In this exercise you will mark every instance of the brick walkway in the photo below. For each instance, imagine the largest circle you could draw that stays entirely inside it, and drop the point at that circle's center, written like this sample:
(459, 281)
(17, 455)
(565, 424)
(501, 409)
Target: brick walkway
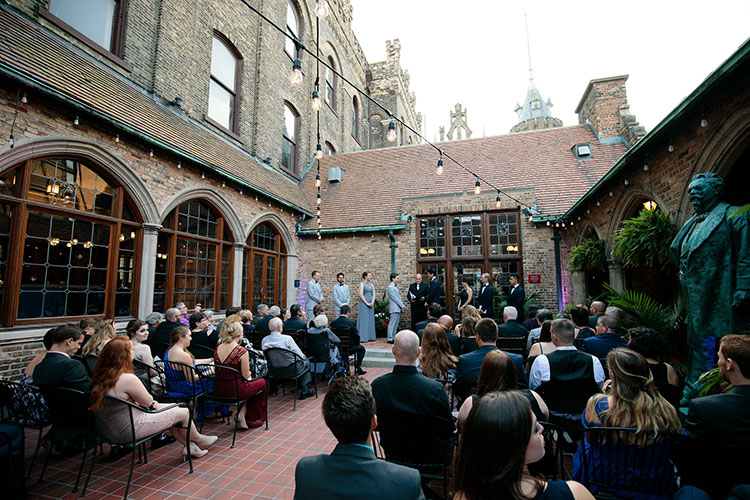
(261, 466)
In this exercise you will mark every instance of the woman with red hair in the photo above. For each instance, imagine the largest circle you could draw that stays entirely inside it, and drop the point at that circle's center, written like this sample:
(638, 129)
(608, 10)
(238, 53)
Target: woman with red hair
(114, 376)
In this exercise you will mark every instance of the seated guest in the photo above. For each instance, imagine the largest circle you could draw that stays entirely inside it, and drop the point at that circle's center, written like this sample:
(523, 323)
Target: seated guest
(321, 328)
(137, 331)
(87, 326)
(633, 401)
(262, 324)
(349, 411)
(511, 327)
(114, 377)
(202, 337)
(232, 311)
(542, 315)
(649, 344)
(153, 320)
(285, 314)
(531, 323)
(318, 309)
(262, 311)
(104, 331)
(159, 340)
(210, 317)
(544, 346)
(446, 323)
(567, 377)
(580, 318)
(718, 426)
(229, 353)
(499, 374)
(406, 391)
(606, 337)
(596, 309)
(436, 359)
(467, 334)
(28, 373)
(184, 382)
(184, 317)
(296, 322)
(469, 364)
(277, 339)
(57, 368)
(501, 437)
(245, 316)
(616, 312)
(433, 313)
(344, 321)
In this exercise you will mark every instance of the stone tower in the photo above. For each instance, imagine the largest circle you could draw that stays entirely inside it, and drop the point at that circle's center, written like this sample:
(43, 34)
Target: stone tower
(459, 125)
(535, 113)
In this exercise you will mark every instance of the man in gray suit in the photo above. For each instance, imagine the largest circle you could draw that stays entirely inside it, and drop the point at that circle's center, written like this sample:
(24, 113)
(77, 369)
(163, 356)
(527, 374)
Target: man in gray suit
(314, 294)
(395, 306)
(341, 295)
(352, 470)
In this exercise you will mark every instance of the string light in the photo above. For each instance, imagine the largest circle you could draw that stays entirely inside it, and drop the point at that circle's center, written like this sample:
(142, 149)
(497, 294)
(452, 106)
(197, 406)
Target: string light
(497, 201)
(317, 180)
(296, 76)
(318, 151)
(645, 167)
(12, 141)
(626, 182)
(179, 164)
(241, 192)
(439, 169)
(151, 153)
(223, 184)
(315, 100)
(548, 223)
(319, 199)
(117, 138)
(477, 187)
(321, 8)
(671, 148)
(24, 99)
(391, 136)
(76, 121)
(203, 175)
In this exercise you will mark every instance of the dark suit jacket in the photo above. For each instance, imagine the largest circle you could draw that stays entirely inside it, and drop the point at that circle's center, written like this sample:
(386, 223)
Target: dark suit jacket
(592, 320)
(161, 336)
(516, 299)
(417, 292)
(455, 342)
(262, 325)
(485, 300)
(512, 328)
(353, 472)
(433, 292)
(467, 372)
(422, 324)
(719, 430)
(59, 370)
(344, 322)
(600, 345)
(294, 325)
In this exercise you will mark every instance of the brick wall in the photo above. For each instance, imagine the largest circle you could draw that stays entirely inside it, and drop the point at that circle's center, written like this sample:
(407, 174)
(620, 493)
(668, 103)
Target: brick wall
(600, 105)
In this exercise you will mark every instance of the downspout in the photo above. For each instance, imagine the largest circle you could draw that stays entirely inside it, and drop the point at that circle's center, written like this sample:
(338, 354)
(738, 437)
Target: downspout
(558, 275)
(393, 251)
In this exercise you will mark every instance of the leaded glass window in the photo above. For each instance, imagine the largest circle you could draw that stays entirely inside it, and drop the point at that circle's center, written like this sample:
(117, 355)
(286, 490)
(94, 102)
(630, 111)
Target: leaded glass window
(503, 234)
(432, 237)
(466, 232)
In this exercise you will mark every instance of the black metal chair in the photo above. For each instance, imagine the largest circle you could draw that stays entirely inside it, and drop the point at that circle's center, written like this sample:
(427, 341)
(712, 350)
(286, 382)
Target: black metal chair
(319, 354)
(144, 372)
(201, 351)
(227, 380)
(11, 462)
(347, 355)
(516, 345)
(618, 459)
(26, 409)
(283, 365)
(134, 441)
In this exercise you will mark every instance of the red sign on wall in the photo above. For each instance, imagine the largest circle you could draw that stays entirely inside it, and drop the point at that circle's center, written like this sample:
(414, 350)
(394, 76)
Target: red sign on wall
(535, 278)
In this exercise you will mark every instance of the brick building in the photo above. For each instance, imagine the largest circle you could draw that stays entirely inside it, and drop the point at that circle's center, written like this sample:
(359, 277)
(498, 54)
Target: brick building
(151, 152)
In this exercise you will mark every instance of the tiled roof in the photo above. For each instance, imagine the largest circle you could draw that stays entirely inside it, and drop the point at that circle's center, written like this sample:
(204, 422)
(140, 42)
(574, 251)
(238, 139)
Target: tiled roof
(40, 57)
(376, 181)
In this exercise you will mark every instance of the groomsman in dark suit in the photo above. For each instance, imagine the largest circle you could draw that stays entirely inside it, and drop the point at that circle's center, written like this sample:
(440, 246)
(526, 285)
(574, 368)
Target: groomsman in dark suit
(416, 296)
(433, 290)
(57, 368)
(486, 297)
(517, 295)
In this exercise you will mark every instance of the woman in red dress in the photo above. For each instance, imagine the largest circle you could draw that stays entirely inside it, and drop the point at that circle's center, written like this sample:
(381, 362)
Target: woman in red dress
(229, 353)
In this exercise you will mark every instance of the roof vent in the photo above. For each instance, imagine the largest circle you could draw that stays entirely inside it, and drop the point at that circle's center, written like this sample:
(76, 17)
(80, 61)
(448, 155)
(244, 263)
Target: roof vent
(335, 174)
(582, 151)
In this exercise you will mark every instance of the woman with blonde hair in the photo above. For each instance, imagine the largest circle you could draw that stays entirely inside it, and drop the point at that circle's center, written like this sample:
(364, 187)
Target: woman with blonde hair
(231, 354)
(114, 377)
(436, 359)
(104, 331)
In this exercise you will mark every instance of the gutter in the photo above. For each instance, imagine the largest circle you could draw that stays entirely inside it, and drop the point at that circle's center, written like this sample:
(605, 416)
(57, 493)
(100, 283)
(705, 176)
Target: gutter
(344, 230)
(45, 89)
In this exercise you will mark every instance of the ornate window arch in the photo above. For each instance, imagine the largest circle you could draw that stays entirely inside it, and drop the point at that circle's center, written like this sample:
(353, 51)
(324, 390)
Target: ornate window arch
(74, 234)
(264, 267)
(194, 258)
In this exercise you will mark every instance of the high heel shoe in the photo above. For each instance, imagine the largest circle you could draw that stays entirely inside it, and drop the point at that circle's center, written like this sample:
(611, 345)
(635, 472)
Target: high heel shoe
(207, 441)
(195, 452)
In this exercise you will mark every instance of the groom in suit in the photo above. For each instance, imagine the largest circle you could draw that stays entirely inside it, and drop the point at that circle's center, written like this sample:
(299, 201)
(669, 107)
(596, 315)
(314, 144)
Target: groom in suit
(517, 295)
(486, 297)
(394, 307)
(314, 295)
(352, 470)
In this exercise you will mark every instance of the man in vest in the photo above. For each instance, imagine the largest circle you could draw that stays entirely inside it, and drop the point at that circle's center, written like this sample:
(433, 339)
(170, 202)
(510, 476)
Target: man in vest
(567, 377)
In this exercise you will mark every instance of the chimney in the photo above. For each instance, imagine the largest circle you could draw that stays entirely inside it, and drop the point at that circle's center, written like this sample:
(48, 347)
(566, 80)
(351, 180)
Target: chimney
(601, 104)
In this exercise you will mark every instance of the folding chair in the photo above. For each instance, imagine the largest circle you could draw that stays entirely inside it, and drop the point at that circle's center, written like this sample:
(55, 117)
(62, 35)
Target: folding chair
(283, 365)
(26, 409)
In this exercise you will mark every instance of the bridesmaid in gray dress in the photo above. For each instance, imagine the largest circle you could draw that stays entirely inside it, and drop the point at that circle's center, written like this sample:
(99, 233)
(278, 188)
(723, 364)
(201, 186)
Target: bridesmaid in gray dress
(366, 310)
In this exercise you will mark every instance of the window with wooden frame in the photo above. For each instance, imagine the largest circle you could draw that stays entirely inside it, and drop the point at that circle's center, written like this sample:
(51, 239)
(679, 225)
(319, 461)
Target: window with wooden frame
(70, 243)
(332, 82)
(226, 75)
(293, 28)
(289, 134)
(328, 149)
(264, 268)
(194, 258)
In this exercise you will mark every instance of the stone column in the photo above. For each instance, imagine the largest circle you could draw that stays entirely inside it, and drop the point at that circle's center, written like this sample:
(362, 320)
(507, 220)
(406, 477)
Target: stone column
(616, 275)
(291, 275)
(237, 274)
(148, 269)
(578, 287)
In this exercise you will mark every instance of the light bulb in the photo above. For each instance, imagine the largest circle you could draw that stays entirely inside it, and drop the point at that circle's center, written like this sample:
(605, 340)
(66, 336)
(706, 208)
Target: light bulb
(497, 202)
(598, 204)
(557, 224)
(439, 169)
(76, 121)
(317, 180)
(12, 141)
(316, 100)
(645, 167)
(579, 218)
(531, 218)
(203, 175)
(704, 122)
(548, 223)
(671, 148)
(223, 184)
(391, 136)
(24, 99)
(179, 164)
(626, 182)
(117, 138)
(571, 223)
(611, 193)
(241, 192)
(477, 187)
(151, 153)
(319, 237)
(318, 151)
(319, 199)
(321, 8)
(296, 76)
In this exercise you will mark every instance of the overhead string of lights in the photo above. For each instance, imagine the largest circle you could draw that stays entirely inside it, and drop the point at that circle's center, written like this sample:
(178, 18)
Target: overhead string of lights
(321, 10)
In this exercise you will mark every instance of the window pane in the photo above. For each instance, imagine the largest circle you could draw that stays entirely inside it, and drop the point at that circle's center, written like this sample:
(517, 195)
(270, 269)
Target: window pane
(93, 18)
(290, 124)
(220, 104)
(292, 27)
(287, 154)
(264, 237)
(70, 184)
(126, 272)
(503, 234)
(467, 235)
(223, 64)
(245, 276)
(5, 215)
(8, 181)
(432, 237)
(501, 272)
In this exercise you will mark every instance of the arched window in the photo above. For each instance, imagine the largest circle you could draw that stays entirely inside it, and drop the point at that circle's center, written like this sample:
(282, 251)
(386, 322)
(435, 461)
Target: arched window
(193, 258)
(264, 268)
(73, 234)
(289, 138)
(223, 97)
(329, 149)
(293, 27)
(355, 118)
(332, 81)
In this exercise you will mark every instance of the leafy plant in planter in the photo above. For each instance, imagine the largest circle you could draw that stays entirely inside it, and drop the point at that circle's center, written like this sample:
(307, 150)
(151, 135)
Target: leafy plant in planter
(644, 241)
(589, 255)
(382, 316)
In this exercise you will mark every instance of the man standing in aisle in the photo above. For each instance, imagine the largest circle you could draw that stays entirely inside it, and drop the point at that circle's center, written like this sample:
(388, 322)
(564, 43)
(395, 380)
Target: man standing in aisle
(517, 296)
(314, 294)
(341, 295)
(395, 306)
(416, 296)
(486, 297)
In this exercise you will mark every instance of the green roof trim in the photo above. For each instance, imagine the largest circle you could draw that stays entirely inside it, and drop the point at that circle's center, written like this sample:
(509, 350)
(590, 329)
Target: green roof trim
(361, 229)
(724, 70)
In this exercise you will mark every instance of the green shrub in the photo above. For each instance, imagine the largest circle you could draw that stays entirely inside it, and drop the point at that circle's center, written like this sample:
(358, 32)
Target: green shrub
(589, 255)
(644, 241)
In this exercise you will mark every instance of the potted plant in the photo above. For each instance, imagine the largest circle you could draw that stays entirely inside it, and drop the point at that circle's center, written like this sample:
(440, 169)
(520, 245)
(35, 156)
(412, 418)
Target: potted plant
(644, 241)
(588, 255)
(382, 316)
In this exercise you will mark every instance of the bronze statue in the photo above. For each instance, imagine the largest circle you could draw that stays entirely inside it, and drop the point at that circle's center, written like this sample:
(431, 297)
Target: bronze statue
(712, 252)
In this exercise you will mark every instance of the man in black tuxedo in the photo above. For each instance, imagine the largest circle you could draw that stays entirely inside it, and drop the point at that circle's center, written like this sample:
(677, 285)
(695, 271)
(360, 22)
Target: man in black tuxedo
(58, 368)
(719, 426)
(486, 297)
(344, 321)
(295, 321)
(517, 295)
(416, 295)
(511, 327)
(352, 470)
(433, 288)
(160, 339)
(433, 313)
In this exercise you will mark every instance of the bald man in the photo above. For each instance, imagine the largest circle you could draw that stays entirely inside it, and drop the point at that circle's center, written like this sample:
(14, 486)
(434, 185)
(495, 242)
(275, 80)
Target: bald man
(405, 390)
(446, 322)
(597, 309)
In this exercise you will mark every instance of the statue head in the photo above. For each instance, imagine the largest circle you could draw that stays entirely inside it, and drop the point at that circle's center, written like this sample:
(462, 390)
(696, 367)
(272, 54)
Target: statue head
(704, 191)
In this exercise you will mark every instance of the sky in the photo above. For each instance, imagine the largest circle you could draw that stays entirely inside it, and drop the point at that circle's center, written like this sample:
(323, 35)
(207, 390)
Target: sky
(475, 52)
